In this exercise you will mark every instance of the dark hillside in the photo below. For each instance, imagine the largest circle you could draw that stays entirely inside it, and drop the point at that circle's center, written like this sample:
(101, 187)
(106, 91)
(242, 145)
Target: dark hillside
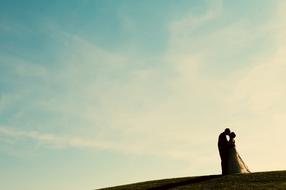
(254, 181)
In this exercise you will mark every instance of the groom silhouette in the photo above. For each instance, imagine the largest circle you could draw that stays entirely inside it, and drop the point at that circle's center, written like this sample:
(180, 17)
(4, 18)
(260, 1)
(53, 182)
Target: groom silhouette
(223, 149)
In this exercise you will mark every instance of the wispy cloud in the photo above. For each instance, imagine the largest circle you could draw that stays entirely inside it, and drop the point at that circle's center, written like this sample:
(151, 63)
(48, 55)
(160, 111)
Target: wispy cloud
(53, 140)
(50, 140)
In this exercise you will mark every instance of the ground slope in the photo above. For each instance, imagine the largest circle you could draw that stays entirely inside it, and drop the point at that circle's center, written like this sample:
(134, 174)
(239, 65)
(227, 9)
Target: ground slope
(253, 181)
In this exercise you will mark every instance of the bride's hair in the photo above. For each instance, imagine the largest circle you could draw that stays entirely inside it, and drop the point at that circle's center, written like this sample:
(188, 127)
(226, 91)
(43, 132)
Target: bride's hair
(232, 135)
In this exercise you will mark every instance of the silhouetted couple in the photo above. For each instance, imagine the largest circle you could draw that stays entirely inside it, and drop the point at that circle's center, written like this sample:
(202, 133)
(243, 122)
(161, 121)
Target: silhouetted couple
(231, 162)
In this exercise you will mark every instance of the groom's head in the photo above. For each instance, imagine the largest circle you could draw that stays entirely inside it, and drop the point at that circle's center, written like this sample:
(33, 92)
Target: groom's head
(227, 131)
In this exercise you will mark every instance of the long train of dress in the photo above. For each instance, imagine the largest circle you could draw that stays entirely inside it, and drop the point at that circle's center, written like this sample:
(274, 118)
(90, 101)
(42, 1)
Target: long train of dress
(235, 164)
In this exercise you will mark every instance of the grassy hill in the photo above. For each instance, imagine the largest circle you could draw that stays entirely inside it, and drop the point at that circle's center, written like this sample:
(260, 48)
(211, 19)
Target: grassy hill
(253, 181)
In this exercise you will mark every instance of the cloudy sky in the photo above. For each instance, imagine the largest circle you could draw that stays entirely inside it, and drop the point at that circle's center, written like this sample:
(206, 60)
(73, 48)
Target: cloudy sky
(97, 93)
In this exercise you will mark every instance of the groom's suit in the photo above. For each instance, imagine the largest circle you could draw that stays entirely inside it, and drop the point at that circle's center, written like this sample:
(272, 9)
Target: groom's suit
(223, 151)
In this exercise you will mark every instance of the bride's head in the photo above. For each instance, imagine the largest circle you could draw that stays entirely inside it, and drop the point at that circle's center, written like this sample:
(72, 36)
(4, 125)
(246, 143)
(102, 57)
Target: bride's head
(232, 135)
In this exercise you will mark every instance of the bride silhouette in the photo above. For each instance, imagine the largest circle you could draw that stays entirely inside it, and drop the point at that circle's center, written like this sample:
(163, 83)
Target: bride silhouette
(234, 162)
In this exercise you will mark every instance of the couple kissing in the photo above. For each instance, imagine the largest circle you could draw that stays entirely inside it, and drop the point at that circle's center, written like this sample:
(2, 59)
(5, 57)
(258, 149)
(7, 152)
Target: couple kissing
(231, 161)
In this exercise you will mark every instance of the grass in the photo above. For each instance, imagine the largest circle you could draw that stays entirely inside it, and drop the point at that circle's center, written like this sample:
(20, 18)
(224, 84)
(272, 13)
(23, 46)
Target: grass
(253, 181)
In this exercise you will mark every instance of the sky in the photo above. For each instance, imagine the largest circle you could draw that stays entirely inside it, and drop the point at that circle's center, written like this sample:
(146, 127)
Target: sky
(97, 93)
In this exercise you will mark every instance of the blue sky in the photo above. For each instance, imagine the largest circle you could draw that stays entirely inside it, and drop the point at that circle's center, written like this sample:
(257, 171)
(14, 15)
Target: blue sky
(97, 93)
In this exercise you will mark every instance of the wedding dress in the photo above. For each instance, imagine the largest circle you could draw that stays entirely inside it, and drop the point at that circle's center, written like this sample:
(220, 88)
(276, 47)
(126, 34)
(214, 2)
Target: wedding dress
(234, 163)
